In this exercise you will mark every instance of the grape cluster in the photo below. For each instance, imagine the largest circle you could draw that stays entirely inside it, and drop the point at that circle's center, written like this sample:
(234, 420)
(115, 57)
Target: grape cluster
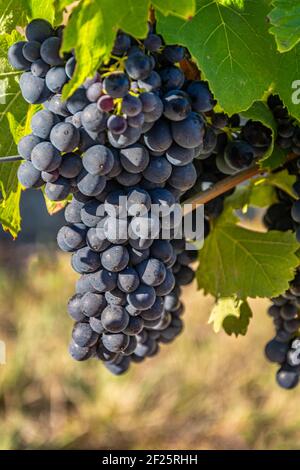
(285, 309)
(138, 131)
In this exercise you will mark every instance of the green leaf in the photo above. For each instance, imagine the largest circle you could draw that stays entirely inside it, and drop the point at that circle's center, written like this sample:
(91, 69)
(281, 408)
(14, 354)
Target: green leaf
(181, 8)
(42, 9)
(93, 26)
(236, 53)
(12, 13)
(232, 314)
(232, 48)
(259, 111)
(241, 262)
(282, 180)
(285, 18)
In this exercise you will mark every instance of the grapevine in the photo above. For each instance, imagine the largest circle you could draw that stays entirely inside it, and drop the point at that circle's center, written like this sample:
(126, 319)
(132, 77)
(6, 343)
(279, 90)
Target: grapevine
(139, 118)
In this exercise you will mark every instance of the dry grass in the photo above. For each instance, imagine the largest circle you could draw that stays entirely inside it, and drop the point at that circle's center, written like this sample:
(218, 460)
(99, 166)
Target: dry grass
(204, 391)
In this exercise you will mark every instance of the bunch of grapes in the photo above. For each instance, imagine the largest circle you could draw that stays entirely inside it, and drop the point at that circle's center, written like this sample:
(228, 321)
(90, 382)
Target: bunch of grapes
(284, 348)
(137, 134)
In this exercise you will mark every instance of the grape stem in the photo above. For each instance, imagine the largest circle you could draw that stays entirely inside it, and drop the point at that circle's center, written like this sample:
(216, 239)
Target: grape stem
(11, 159)
(226, 184)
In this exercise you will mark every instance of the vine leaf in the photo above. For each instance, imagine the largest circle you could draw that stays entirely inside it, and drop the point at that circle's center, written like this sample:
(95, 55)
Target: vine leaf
(285, 20)
(231, 46)
(235, 52)
(93, 25)
(237, 261)
(42, 9)
(231, 314)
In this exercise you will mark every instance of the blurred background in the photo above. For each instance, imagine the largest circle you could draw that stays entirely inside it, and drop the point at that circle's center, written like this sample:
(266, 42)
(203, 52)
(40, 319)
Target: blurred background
(203, 391)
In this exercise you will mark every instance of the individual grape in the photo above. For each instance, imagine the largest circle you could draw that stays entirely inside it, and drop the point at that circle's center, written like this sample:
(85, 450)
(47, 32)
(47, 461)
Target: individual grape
(28, 175)
(115, 258)
(115, 297)
(149, 101)
(93, 119)
(158, 170)
(131, 346)
(177, 105)
(162, 198)
(73, 236)
(201, 97)
(79, 102)
(45, 157)
(31, 50)
(79, 353)
(74, 308)
(103, 354)
(39, 68)
(154, 312)
(116, 124)
(138, 66)
(128, 280)
(94, 92)
(116, 84)
(128, 179)
(135, 326)
(92, 304)
(71, 165)
(72, 212)
(153, 42)
(91, 213)
(98, 160)
(180, 156)
(152, 272)
(138, 202)
(90, 185)
(116, 342)
(276, 351)
(16, 57)
(142, 298)
(105, 103)
(255, 133)
(50, 51)
(104, 280)
(167, 285)
(34, 89)
(56, 77)
(122, 44)
(38, 30)
(95, 241)
(291, 326)
(134, 158)
(27, 144)
(189, 133)
(295, 212)
(174, 53)
(153, 116)
(116, 230)
(57, 106)
(287, 378)
(183, 177)
(64, 136)
(159, 137)
(185, 276)
(83, 335)
(288, 311)
(114, 318)
(172, 78)
(42, 123)
(115, 203)
(50, 176)
(70, 67)
(151, 83)
(162, 250)
(96, 325)
(220, 120)
(85, 260)
(130, 136)
(136, 121)
(131, 105)
(59, 190)
(239, 155)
